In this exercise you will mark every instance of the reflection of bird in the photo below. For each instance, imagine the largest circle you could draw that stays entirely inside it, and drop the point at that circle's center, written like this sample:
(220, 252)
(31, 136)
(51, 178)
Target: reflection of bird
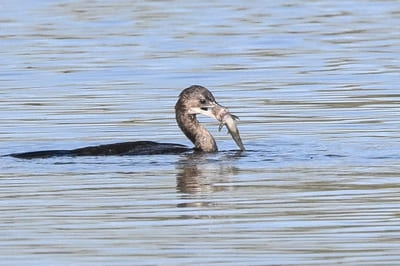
(193, 100)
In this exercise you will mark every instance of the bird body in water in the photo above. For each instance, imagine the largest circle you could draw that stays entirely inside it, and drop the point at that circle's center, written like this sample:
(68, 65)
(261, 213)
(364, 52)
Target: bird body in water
(192, 101)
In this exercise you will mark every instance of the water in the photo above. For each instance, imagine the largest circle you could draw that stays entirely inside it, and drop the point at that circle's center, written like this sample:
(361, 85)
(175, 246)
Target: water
(315, 84)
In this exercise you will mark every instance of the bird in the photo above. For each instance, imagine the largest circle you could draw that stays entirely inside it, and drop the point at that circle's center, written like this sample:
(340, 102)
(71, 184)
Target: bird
(192, 101)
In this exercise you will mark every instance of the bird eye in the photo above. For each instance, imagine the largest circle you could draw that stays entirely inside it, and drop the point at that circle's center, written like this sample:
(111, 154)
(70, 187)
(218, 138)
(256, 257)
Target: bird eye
(202, 101)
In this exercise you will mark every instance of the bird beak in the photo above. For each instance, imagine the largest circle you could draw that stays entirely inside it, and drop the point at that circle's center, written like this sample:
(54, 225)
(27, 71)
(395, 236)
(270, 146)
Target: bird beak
(211, 110)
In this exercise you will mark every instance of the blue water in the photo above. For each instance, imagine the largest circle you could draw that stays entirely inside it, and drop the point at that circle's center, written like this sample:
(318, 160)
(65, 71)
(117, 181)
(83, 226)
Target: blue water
(315, 84)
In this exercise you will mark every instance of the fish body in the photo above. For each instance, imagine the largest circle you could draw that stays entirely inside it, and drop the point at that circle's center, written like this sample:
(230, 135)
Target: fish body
(227, 119)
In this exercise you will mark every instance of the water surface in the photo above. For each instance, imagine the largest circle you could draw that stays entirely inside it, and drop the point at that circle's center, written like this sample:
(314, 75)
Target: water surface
(315, 85)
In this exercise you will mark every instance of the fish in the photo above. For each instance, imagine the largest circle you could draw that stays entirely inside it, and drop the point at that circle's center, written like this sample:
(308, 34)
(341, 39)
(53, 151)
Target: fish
(228, 120)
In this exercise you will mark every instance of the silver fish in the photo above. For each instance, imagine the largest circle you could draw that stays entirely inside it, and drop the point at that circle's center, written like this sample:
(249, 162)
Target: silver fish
(227, 119)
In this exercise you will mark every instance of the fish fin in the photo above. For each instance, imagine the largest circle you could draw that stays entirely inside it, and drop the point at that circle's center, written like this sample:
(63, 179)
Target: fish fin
(235, 117)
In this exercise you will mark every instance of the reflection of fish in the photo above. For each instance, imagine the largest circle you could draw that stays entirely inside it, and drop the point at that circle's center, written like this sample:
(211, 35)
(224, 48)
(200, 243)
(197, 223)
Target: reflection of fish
(229, 120)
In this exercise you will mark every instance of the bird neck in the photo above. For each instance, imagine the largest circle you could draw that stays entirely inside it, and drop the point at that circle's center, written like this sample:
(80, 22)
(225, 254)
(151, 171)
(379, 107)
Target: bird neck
(195, 132)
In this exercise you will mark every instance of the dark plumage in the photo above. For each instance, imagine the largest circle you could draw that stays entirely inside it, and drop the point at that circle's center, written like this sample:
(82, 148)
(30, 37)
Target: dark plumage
(193, 100)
